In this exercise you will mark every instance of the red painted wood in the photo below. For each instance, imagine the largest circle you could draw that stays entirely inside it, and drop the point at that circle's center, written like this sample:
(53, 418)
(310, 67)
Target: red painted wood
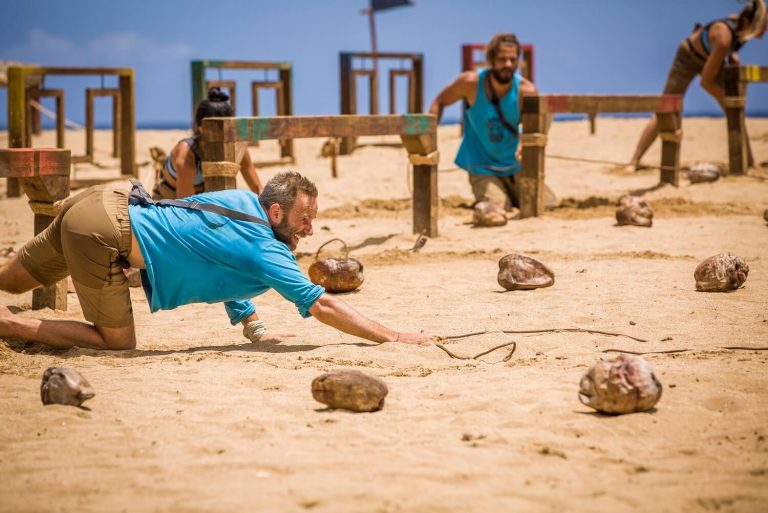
(27, 162)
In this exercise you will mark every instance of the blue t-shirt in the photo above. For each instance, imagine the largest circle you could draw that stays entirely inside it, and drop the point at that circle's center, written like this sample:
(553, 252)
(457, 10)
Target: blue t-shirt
(488, 147)
(202, 257)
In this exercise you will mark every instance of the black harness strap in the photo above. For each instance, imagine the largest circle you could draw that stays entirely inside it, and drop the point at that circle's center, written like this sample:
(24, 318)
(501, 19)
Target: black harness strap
(495, 102)
(139, 196)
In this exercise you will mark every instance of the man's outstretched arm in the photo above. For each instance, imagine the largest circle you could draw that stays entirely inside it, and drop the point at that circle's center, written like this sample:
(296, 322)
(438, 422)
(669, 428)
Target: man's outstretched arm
(334, 312)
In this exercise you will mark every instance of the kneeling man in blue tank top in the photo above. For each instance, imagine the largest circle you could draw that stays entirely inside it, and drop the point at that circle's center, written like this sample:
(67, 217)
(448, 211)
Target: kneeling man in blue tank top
(490, 151)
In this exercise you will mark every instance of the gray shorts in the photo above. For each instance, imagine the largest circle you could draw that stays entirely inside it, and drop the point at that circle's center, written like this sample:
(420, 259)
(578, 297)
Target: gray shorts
(686, 66)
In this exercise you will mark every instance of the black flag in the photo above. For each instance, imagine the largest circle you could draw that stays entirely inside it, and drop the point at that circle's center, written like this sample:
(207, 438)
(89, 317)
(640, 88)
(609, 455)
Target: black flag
(380, 5)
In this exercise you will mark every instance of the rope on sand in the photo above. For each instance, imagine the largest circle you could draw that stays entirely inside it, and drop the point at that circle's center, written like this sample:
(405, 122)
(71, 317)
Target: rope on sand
(669, 351)
(478, 355)
(577, 330)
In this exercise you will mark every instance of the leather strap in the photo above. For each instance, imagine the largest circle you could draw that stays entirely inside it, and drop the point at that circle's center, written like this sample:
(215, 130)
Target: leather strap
(495, 102)
(139, 196)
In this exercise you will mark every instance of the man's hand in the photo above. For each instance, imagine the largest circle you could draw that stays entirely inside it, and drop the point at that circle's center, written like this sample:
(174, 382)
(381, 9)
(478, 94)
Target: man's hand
(254, 330)
(416, 338)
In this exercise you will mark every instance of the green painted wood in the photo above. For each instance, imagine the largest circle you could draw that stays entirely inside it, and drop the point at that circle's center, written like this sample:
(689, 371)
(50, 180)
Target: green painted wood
(249, 129)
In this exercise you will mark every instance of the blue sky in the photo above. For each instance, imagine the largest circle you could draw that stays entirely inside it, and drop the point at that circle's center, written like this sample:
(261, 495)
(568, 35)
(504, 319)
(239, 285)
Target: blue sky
(582, 46)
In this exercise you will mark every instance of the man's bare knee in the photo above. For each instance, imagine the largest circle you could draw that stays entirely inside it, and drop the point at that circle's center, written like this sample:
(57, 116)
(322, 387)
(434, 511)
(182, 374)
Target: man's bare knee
(118, 339)
(14, 278)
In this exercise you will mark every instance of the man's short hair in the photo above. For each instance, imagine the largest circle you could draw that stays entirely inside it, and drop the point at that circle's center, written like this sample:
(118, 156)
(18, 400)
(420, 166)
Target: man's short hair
(503, 38)
(283, 189)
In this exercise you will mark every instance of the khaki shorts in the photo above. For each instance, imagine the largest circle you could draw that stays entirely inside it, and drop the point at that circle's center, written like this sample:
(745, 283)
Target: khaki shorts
(90, 239)
(504, 190)
(686, 66)
(501, 190)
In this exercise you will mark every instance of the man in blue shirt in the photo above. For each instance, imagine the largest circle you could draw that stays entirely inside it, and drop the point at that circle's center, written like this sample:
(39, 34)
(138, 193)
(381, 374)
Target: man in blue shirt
(186, 256)
(490, 150)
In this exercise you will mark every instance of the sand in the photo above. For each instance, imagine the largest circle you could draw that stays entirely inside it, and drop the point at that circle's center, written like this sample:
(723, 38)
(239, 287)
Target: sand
(198, 419)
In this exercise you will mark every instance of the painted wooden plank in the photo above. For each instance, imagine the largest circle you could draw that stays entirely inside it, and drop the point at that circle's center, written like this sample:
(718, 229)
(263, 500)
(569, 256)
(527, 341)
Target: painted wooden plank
(278, 65)
(384, 55)
(558, 103)
(27, 162)
(753, 73)
(295, 127)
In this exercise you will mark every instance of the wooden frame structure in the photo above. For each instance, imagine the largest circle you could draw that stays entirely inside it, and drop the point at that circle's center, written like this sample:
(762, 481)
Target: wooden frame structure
(348, 75)
(44, 175)
(19, 119)
(537, 108)
(284, 91)
(33, 124)
(90, 95)
(736, 79)
(225, 140)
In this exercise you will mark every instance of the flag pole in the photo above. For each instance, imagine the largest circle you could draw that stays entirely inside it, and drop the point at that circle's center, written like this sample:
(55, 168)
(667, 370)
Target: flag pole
(375, 62)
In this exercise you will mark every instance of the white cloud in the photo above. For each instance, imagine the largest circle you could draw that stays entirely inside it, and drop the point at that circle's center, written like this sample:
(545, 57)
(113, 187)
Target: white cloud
(116, 49)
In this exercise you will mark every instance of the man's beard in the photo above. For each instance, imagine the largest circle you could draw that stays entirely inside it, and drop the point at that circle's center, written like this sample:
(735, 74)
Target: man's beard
(284, 234)
(502, 79)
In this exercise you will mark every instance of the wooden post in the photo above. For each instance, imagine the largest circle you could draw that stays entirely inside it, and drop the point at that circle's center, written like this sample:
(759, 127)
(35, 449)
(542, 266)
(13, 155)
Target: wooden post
(671, 133)
(89, 124)
(592, 117)
(44, 175)
(417, 65)
(17, 120)
(735, 102)
(286, 79)
(127, 125)
(221, 163)
(346, 107)
(197, 72)
(531, 176)
(422, 152)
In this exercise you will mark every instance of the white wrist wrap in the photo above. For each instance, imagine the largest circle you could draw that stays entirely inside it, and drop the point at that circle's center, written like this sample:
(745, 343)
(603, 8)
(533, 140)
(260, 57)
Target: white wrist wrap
(254, 330)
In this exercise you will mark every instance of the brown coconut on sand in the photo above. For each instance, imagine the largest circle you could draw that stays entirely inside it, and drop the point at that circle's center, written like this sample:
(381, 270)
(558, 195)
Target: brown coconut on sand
(199, 419)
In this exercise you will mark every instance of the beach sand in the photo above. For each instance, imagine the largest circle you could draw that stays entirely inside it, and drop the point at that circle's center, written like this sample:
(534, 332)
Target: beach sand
(199, 419)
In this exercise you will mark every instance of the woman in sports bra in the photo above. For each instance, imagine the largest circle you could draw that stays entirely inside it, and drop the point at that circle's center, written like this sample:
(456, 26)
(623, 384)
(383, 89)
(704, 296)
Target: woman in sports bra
(704, 52)
(182, 173)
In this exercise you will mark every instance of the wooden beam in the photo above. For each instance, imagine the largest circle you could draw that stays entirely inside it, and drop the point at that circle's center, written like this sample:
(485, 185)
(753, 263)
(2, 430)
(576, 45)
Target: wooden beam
(552, 103)
(29, 162)
(44, 174)
(384, 55)
(530, 178)
(735, 103)
(127, 125)
(296, 127)
(426, 200)
(266, 65)
(671, 134)
(752, 73)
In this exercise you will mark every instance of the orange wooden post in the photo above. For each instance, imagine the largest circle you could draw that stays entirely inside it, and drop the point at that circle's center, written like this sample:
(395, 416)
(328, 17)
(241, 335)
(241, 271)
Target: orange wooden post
(44, 175)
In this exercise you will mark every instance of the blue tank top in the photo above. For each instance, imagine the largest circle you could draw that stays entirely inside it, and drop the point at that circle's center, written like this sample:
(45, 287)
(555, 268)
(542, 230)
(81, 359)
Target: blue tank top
(488, 147)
